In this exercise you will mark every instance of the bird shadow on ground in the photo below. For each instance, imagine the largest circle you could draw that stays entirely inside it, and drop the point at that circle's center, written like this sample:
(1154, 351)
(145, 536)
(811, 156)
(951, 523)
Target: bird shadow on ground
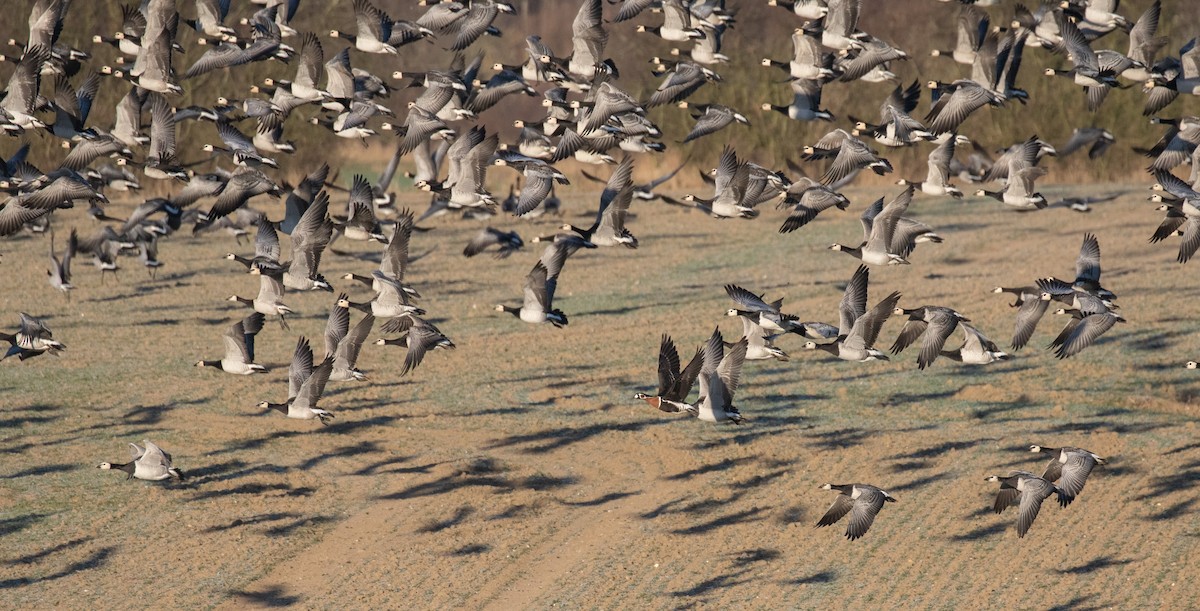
(480, 473)
(741, 564)
(272, 596)
(256, 519)
(981, 532)
(722, 465)
(818, 577)
(15, 524)
(460, 514)
(600, 500)
(470, 549)
(1097, 564)
(94, 560)
(548, 440)
(37, 556)
(1077, 604)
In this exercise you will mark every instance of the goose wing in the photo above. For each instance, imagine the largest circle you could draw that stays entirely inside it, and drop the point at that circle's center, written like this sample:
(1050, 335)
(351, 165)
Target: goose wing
(350, 345)
(748, 300)
(1087, 266)
(841, 506)
(1034, 491)
(870, 500)
(301, 367)
(854, 300)
(1028, 315)
(668, 366)
(941, 327)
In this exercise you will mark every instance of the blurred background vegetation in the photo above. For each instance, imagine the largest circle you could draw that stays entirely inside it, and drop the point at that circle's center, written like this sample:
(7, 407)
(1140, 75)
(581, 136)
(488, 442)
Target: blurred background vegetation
(916, 26)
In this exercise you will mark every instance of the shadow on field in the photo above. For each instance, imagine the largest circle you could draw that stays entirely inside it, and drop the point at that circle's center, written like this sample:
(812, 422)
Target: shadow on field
(600, 500)
(1077, 604)
(95, 560)
(274, 596)
(471, 549)
(982, 532)
(12, 525)
(1098, 564)
(716, 467)
(42, 470)
(826, 576)
(37, 556)
(742, 563)
(942, 448)
(549, 440)
(257, 519)
(460, 514)
(480, 473)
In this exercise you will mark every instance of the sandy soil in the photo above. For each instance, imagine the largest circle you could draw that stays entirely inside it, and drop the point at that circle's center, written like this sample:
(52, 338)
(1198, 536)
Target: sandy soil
(518, 472)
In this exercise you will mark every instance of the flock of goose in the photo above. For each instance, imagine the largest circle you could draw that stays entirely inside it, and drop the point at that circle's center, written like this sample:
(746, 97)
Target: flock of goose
(591, 119)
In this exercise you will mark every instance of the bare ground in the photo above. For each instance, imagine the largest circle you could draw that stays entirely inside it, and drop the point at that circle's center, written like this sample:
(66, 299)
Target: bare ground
(517, 471)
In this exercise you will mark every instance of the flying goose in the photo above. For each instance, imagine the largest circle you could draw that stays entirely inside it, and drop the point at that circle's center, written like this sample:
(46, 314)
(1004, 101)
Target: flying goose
(759, 345)
(805, 104)
(677, 23)
(539, 297)
(60, 270)
(729, 189)
(508, 241)
(149, 463)
(950, 110)
(858, 328)
(374, 30)
(1083, 329)
(682, 81)
(310, 236)
(270, 295)
(1031, 303)
(976, 348)
(539, 178)
(809, 199)
(937, 180)
(758, 311)
(1019, 192)
(361, 224)
(896, 127)
(936, 323)
(1097, 138)
(1069, 468)
(841, 25)
(239, 147)
(861, 501)
(306, 384)
(877, 248)
(907, 234)
(479, 18)
(720, 374)
(32, 338)
(711, 118)
(239, 347)
(609, 227)
(19, 105)
(808, 62)
(345, 344)
(849, 155)
(394, 263)
(1026, 490)
(870, 63)
(419, 336)
(1088, 71)
(674, 384)
(973, 26)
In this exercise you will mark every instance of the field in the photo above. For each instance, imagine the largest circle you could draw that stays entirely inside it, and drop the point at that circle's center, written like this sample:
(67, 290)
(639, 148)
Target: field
(518, 472)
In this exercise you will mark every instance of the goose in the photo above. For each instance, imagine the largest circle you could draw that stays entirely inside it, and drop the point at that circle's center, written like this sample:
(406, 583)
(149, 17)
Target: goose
(976, 348)
(152, 70)
(479, 18)
(374, 31)
(841, 25)
(1082, 331)
(906, 236)
(239, 347)
(115, 177)
(18, 106)
(209, 15)
(1087, 272)
(1026, 490)
(469, 157)
(1032, 303)
(682, 81)
(502, 84)
(539, 296)
(729, 189)
(71, 108)
(148, 463)
(935, 323)
(937, 180)
(33, 338)
(861, 501)
(674, 384)
(1097, 138)
(306, 384)
(973, 26)
(394, 263)
(759, 345)
(270, 295)
(896, 127)
(677, 23)
(720, 374)
(858, 328)
(763, 314)
(805, 104)
(880, 231)
(345, 344)
(870, 63)
(161, 161)
(949, 111)
(1143, 45)
(804, 9)
(1069, 468)
(361, 224)
(539, 177)
(391, 299)
(609, 227)
(808, 198)
(239, 147)
(808, 61)
(1020, 193)
(849, 155)
(509, 242)
(1088, 70)
(711, 118)
(707, 50)
(420, 336)
(1185, 213)
(59, 273)
(310, 236)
